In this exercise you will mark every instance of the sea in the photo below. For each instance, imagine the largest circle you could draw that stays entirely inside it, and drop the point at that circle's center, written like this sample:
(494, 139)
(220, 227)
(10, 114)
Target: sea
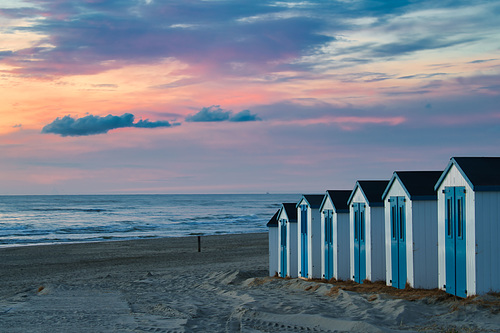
(50, 219)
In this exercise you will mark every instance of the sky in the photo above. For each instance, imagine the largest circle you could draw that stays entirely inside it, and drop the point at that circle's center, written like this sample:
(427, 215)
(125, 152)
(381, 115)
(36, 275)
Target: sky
(224, 96)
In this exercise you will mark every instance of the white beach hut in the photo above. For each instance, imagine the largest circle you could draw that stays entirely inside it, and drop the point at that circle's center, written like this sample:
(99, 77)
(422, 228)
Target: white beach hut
(366, 231)
(273, 244)
(287, 240)
(410, 203)
(469, 226)
(335, 235)
(309, 236)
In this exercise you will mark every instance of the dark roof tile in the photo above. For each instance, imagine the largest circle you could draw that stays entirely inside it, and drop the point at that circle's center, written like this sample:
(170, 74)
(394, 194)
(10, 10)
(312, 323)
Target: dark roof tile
(291, 211)
(339, 199)
(273, 222)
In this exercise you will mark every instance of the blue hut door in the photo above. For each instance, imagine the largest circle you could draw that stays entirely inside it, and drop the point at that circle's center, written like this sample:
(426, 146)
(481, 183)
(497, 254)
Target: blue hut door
(328, 215)
(283, 250)
(359, 242)
(303, 239)
(456, 282)
(398, 242)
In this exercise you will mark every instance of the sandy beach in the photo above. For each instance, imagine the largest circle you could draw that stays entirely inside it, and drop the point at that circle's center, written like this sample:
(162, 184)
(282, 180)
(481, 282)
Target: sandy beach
(166, 285)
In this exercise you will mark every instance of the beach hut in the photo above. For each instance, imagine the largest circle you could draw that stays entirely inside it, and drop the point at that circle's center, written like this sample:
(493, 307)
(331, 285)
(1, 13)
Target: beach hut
(287, 234)
(335, 235)
(469, 226)
(366, 230)
(309, 236)
(410, 203)
(273, 244)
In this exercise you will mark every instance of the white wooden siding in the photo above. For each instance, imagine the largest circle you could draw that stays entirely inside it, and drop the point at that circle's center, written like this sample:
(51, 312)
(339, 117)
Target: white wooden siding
(455, 178)
(357, 197)
(374, 226)
(421, 239)
(299, 243)
(341, 242)
(396, 190)
(313, 238)
(327, 206)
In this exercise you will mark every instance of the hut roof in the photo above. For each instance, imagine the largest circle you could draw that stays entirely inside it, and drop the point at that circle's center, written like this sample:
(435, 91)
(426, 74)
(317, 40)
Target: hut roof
(313, 200)
(418, 185)
(339, 200)
(482, 173)
(372, 190)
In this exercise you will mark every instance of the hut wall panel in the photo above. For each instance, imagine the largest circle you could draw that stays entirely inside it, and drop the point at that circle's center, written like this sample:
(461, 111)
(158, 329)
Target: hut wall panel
(314, 243)
(425, 238)
(376, 252)
(368, 243)
(487, 241)
(342, 246)
(410, 242)
(273, 251)
(292, 250)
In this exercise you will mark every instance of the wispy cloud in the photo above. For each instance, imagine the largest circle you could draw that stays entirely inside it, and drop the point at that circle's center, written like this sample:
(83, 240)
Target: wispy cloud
(92, 125)
(84, 37)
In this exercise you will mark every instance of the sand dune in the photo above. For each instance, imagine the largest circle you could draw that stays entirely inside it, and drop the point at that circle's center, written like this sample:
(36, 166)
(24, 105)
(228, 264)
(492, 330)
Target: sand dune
(165, 285)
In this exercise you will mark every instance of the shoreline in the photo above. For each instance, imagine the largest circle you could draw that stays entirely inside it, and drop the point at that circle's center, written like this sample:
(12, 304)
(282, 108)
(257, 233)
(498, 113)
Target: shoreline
(16, 245)
(166, 285)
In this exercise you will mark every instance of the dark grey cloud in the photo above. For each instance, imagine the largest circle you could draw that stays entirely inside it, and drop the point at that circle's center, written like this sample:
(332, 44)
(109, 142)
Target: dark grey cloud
(211, 114)
(214, 113)
(244, 115)
(479, 61)
(409, 46)
(421, 76)
(92, 125)
(17, 13)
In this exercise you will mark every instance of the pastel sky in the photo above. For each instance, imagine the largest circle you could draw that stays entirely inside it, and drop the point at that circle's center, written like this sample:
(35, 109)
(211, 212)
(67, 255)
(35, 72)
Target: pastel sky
(224, 96)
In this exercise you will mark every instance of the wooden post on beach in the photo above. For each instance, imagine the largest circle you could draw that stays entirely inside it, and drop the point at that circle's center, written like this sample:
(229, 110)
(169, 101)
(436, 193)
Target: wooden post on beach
(199, 243)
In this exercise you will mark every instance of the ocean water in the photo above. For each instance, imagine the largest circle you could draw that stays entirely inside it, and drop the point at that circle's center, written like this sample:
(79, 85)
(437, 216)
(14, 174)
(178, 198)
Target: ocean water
(30, 220)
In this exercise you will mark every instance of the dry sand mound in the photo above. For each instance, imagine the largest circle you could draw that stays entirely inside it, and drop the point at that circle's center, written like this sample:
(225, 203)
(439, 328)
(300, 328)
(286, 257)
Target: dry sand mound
(165, 285)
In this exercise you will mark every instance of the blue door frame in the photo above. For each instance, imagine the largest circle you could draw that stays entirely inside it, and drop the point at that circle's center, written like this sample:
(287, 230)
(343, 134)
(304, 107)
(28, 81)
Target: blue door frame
(359, 242)
(283, 250)
(398, 242)
(303, 238)
(328, 229)
(456, 280)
